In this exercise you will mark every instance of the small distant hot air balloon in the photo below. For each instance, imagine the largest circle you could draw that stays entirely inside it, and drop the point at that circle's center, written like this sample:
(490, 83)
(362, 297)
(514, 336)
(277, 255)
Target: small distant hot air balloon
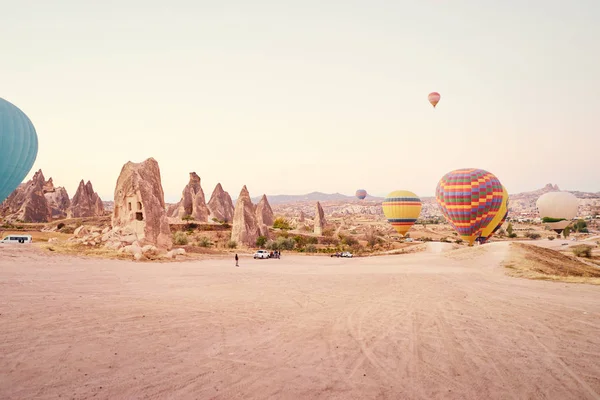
(18, 147)
(469, 199)
(402, 208)
(361, 194)
(498, 220)
(434, 98)
(557, 209)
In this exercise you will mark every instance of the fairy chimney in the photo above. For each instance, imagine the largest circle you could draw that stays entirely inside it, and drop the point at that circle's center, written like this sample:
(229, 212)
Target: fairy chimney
(220, 205)
(319, 219)
(140, 205)
(192, 203)
(264, 213)
(86, 202)
(245, 229)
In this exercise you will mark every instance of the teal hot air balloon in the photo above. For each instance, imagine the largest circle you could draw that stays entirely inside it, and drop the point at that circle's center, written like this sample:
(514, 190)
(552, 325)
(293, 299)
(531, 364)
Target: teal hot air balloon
(18, 147)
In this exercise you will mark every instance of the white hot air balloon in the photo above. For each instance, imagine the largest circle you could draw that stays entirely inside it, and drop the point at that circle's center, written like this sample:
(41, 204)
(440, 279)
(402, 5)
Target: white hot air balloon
(557, 209)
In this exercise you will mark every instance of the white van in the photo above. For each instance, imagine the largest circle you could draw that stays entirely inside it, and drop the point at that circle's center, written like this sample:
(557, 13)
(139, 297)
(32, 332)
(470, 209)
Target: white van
(17, 239)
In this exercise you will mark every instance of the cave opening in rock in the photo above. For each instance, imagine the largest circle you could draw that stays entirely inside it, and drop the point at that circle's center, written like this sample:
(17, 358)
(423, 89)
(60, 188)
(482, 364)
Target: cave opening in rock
(139, 216)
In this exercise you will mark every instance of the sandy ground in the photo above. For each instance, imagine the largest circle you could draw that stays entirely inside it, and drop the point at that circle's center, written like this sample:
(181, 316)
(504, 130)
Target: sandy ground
(440, 324)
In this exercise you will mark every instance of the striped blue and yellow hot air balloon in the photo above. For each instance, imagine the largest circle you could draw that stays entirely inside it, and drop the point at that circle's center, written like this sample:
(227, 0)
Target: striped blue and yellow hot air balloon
(402, 208)
(361, 194)
(469, 198)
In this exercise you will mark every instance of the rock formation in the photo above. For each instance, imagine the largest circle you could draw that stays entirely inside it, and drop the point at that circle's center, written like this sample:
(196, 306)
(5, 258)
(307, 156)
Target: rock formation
(139, 208)
(220, 205)
(264, 213)
(28, 203)
(86, 202)
(36, 201)
(57, 198)
(192, 203)
(319, 219)
(245, 229)
(301, 216)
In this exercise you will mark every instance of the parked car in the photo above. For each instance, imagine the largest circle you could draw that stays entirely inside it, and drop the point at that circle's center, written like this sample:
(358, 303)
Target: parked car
(17, 239)
(346, 254)
(261, 254)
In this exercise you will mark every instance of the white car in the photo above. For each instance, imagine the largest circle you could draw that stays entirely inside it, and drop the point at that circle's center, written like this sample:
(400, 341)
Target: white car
(17, 239)
(347, 254)
(261, 254)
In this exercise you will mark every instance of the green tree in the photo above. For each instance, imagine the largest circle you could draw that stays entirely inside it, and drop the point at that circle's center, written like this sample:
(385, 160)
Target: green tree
(509, 229)
(566, 232)
(260, 241)
(580, 226)
(281, 223)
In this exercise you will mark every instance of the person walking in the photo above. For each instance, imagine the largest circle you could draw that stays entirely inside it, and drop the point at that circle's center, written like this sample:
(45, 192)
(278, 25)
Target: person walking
(236, 260)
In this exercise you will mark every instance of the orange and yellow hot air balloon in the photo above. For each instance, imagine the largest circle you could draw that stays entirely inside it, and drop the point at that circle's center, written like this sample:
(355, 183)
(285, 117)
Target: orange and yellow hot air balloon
(434, 98)
(402, 208)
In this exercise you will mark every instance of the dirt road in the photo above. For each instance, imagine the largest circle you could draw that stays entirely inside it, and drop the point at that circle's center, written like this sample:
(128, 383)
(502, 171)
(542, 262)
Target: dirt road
(447, 325)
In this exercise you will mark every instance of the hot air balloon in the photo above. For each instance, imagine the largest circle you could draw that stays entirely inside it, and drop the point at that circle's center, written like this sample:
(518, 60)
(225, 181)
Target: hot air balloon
(434, 98)
(557, 209)
(402, 208)
(361, 194)
(18, 147)
(498, 220)
(469, 200)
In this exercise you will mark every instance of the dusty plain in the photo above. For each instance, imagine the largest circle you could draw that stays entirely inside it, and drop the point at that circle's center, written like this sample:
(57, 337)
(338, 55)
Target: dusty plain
(439, 324)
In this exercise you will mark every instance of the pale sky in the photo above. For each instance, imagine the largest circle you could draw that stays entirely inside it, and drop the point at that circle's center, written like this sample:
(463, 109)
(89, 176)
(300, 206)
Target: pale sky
(294, 97)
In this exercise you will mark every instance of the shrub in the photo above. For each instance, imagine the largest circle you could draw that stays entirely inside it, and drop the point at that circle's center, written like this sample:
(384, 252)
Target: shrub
(512, 235)
(312, 240)
(458, 241)
(281, 243)
(285, 243)
(311, 248)
(187, 218)
(445, 240)
(204, 242)
(533, 236)
(580, 226)
(330, 240)
(232, 244)
(260, 241)
(328, 232)
(226, 225)
(300, 241)
(550, 237)
(566, 232)
(282, 223)
(180, 238)
(583, 250)
(509, 229)
(67, 229)
(350, 241)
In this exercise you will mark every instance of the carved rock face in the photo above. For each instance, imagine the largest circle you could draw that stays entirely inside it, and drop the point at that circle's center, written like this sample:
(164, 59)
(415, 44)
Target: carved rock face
(140, 205)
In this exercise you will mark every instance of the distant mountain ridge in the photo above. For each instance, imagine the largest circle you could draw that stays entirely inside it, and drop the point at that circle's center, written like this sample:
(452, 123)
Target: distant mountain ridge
(313, 196)
(323, 197)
